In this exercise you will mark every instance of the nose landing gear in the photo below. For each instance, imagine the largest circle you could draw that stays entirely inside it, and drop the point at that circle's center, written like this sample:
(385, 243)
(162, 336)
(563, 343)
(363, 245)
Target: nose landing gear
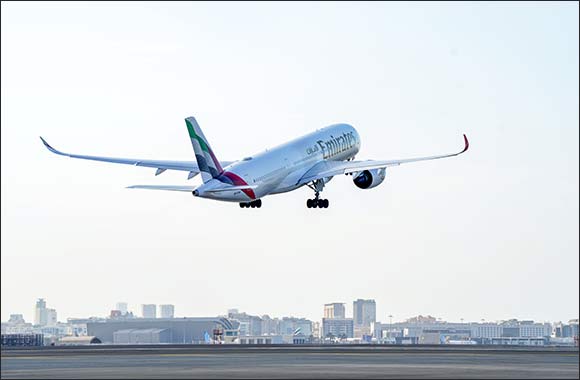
(254, 204)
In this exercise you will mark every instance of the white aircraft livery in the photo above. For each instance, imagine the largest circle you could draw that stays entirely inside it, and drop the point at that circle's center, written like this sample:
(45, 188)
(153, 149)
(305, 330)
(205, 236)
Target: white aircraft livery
(312, 160)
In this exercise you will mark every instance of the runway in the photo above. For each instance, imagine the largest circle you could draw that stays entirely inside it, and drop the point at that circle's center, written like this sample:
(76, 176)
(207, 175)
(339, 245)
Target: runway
(188, 362)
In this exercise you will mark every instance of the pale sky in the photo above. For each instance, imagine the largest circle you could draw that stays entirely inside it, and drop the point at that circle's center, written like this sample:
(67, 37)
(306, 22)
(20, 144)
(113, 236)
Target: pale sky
(490, 234)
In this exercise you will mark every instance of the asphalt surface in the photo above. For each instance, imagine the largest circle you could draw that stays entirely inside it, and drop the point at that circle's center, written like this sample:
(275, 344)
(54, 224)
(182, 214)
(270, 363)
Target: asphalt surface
(288, 362)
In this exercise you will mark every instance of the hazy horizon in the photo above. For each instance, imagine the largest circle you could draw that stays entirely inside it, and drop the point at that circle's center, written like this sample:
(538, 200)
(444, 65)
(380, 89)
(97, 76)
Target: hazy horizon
(490, 234)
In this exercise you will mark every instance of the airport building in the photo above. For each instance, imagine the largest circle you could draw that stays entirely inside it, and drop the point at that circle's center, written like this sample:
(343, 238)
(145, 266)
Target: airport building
(275, 339)
(142, 336)
(445, 336)
(482, 332)
(77, 341)
(518, 341)
(164, 330)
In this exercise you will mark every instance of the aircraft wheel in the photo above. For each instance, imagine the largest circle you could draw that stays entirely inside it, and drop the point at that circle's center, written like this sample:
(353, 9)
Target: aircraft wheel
(259, 203)
(309, 203)
(325, 203)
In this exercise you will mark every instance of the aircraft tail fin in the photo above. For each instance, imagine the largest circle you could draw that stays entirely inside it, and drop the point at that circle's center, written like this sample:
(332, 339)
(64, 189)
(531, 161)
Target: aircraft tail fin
(208, 164)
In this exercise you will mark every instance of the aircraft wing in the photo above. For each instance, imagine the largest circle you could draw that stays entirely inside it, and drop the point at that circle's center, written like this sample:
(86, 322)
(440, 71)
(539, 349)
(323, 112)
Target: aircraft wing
(331, 168)
(163, 187)
(160, 165)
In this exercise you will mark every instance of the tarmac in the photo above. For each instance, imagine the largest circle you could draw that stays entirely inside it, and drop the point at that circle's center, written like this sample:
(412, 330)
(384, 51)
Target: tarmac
(308, 362)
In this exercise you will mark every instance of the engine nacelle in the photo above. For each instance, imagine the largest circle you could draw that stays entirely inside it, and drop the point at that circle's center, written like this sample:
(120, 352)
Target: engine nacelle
(370, 178)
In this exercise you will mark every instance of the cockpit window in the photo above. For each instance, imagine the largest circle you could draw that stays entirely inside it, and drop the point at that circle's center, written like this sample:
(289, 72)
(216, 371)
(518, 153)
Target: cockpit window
(247, 159)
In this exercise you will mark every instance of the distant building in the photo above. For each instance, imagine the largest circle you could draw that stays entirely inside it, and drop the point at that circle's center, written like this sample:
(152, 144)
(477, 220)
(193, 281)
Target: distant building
(115, 314)
(122, 307)
(270, 326)
(337, 328)
(167, 311)
(535, 330)
(486, 330)
(16, 319)
(21, 340)
(249, 324)
(364, 314)
(40, 314)
(295, 326)
(421, 319)
(514, 328)
(17, 325)
(149, 311)
(51, 318)
(316, 329)
(562, 330)
(334, 310)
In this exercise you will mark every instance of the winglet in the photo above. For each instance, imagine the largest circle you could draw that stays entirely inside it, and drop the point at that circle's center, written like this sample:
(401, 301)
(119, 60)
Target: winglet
(466, 143)
(51, 148)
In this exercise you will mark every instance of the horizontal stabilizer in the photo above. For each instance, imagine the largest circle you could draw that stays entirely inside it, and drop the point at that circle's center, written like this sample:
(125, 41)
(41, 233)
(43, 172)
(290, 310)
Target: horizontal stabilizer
(163, 187)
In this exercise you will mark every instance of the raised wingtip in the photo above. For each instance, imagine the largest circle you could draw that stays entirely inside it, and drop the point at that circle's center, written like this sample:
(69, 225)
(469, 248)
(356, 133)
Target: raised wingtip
(46, 144)
(466, 143)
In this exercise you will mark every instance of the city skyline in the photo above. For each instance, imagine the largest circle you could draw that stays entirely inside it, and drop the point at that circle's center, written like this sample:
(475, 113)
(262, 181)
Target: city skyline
(156, 309)
(240, 327)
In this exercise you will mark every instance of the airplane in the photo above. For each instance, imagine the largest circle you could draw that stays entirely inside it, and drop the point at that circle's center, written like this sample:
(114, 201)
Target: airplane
(311, 160)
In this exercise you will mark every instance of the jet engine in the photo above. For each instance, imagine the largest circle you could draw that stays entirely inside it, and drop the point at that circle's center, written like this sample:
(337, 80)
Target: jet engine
(370, 178)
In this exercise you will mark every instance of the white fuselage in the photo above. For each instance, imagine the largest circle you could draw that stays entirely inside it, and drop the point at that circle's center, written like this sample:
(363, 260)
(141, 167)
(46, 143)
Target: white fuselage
(280, 169)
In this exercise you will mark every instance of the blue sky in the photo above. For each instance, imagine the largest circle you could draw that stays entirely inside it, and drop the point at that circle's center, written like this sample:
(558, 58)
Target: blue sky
(492, 234)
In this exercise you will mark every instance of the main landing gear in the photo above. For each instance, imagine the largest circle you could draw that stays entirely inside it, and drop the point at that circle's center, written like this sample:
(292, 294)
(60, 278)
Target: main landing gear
(320, 203)
(254, 204)
(317, 186)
